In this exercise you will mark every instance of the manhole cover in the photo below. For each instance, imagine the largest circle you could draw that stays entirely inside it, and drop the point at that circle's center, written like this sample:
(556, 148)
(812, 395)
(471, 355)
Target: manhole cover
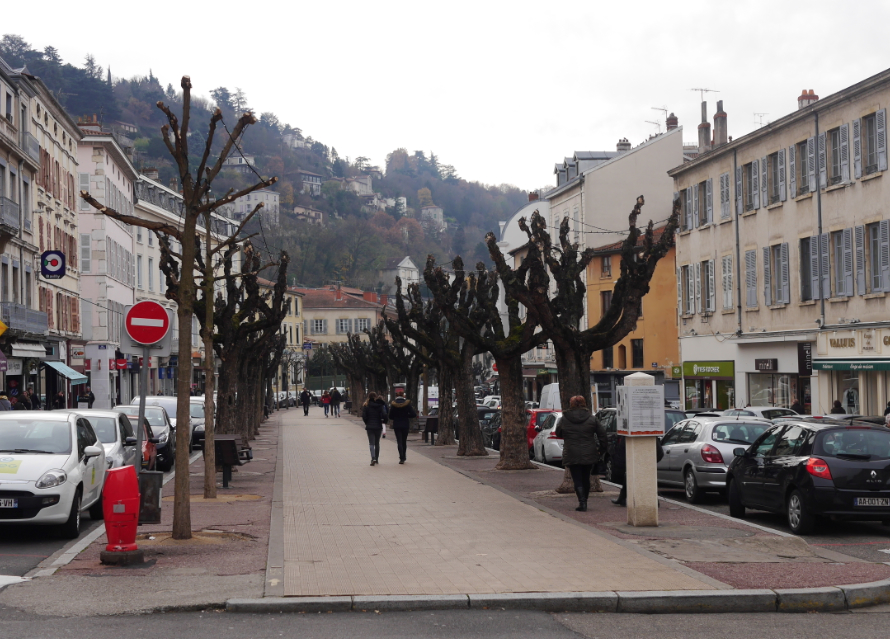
(678, 531)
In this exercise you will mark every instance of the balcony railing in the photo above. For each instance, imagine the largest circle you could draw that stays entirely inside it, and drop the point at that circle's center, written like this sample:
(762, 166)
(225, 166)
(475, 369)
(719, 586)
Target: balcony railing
(32, 146)
(21, 318)
(9, 214)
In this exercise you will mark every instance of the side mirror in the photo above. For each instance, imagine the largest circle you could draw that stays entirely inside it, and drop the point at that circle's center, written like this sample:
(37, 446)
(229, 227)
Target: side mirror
(537, 429)
(92, 451)
(738, 452)
(130, 441)
(153, 440)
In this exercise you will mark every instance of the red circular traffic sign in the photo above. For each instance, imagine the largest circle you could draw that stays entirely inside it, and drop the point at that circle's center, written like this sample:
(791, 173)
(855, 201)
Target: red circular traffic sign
(147, 322)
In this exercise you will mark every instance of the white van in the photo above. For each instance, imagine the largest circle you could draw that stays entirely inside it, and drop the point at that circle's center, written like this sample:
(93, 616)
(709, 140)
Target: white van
(550, 397)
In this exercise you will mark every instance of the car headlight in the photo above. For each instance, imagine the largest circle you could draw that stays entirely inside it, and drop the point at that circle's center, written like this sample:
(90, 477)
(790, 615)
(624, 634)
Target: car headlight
(162, 438)
(52, 478)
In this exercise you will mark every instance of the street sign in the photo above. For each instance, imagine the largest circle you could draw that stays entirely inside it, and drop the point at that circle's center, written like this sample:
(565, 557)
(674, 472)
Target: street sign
(52, 265)
(307, 346)
(147, 322)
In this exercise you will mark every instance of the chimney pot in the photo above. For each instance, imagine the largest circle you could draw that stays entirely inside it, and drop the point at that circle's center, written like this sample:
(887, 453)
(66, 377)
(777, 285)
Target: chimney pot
(720, 125)
(672, 122)
(532, 196)
(807, 97)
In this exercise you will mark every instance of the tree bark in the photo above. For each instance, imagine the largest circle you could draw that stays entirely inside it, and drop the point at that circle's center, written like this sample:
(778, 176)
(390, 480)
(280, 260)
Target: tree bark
(514, 432)
(182, 517)
(210, 379)
(446, 409)
(470, 442)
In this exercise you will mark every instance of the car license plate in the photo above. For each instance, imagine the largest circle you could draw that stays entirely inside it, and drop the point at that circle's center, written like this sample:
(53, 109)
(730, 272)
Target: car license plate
(873, 501)
(9, 503)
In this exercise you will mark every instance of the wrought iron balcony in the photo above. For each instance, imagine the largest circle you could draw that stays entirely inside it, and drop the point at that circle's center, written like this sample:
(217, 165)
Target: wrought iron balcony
(19, 317)
(9, 215)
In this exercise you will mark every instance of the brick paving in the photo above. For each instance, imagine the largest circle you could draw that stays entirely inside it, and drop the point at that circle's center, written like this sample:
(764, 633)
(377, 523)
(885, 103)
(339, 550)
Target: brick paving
(424, 529)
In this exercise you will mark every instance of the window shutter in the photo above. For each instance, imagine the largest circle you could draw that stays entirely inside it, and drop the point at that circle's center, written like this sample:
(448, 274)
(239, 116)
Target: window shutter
(845, 152)
(767, 278)
(780, 158)
(724, 196)
(751, 278)
(848, 261)
(764, 182)
(680, 291)
(823, 176)
(786, 275)
(814, 268)
(698, 287)
(727, 281)
(792, 171)
(755, 189)
(857, 148)
(688, 209)
(811, 164)
(738, 190)
(881, 135)
(351, 326)
(306, 330)
(860, 259)
(324, 327)
(884, 236)
(824, 249)
(84, 181)
(690, 291)
(712, 294)
(696, 212)
(709, 201)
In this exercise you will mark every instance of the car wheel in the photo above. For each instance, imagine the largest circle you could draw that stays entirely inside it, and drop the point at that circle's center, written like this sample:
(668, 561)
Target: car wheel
(800, 520)
(96, 511)
(71, 528)
(736, 507)
(609, 472)
(166, 465)
(694, 494)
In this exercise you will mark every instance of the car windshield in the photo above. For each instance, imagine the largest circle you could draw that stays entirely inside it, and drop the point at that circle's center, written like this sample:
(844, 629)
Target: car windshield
(154, 416)
(738, 432)
(196, 410)
(35, 436)
(862, 443)
(105, 427)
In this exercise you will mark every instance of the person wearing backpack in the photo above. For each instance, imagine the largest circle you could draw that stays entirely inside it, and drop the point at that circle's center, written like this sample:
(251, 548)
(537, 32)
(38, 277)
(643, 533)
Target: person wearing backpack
(583, 439)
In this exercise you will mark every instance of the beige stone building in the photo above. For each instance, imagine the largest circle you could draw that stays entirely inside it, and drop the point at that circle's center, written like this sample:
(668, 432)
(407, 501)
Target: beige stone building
(783, 262)
(330, 313)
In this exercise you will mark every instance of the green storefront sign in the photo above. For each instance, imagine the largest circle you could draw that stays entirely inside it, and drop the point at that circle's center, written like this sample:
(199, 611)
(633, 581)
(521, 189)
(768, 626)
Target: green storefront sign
(851, 365)
(709, 369)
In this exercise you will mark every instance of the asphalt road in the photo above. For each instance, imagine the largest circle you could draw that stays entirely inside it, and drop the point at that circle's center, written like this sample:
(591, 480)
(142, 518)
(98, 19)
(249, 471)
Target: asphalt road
(483, 624)
(860, 539)
(23, 547)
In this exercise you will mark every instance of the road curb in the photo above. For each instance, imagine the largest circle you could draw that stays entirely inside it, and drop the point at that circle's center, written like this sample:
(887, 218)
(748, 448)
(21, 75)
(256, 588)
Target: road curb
(831, 599)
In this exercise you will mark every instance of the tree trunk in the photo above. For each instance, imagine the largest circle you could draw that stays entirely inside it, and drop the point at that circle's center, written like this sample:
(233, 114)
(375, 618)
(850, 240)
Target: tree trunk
(574, 379)
(446, 409)
(228, 385)
(470, 435)
(514, 431)
(209, 378)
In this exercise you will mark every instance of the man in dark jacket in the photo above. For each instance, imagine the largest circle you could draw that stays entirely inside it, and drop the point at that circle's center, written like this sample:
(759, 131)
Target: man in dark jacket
(34, 397)
(305, 400)
(401, 412)
(584, 440)
(336, 398)
(374, 416)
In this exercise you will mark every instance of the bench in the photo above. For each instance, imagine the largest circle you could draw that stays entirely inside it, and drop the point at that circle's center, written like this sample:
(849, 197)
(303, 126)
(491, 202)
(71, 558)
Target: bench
(230, 451)
(430, 429)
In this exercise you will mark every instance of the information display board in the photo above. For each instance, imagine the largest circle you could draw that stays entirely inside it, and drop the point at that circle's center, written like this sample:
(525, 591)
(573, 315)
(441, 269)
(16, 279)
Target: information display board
(640, 411)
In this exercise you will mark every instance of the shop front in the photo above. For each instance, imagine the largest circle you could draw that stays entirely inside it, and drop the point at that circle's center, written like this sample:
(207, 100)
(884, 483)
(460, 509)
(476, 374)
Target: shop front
(709, 384)
(854, 369)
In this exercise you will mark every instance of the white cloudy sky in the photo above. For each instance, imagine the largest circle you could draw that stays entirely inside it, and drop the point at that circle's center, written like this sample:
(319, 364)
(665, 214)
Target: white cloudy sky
(499, 89)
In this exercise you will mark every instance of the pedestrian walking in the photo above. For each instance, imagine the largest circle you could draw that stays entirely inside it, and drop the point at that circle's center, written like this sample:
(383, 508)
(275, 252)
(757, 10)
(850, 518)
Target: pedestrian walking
(305, 400)
(326, 402)
(837, 409)
(59, 401)
(88, 397)
(401, 412)
(4, 402)
(374, 416)
(34, 397)
(583, 439)
(336, 398)
(797, 407)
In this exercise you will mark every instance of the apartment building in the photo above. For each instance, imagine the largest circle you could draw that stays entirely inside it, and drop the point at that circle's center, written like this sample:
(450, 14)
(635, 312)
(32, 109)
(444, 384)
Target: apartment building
(783, 261)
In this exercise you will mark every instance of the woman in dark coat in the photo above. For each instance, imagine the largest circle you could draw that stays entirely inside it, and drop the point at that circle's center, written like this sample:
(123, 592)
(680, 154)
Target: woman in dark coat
(584, 440)
(374, 416)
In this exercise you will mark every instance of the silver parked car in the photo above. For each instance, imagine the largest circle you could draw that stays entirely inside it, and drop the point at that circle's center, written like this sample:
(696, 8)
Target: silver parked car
(116, 435)
(766, 412)
(698, 451)
(547, 446)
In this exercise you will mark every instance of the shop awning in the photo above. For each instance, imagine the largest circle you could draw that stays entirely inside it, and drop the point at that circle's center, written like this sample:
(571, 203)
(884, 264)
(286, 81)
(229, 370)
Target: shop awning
(75, 377)
(873, 364)
(26, 351)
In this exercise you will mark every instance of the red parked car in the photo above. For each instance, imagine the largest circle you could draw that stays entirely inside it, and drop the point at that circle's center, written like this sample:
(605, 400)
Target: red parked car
(534, 418)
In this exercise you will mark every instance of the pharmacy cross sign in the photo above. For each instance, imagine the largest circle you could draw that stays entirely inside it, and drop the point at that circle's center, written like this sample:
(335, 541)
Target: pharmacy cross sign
(147, 322)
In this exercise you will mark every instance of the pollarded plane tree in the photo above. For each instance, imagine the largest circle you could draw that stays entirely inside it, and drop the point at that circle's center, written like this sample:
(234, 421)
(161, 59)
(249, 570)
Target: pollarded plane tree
(347, 363)
(370, 362)
(197, 203)
(469, 301)
(401, 363)
(561, 314)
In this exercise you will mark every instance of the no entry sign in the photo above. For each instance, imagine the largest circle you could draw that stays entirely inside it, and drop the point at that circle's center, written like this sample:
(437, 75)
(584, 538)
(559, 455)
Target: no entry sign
(147, 322)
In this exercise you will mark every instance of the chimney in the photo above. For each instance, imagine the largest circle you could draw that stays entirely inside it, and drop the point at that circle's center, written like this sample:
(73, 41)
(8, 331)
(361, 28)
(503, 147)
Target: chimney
(338, 294)
(369, 296)
(720, 129)
(532, 196)
(623, 146)
(672, 122)
(174, 183)
(806, 99)
(382, 298)
(704, 130)
(151, 173)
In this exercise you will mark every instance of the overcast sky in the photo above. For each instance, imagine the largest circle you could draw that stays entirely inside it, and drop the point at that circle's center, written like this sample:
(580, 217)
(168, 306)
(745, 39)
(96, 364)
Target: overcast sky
(501, 90)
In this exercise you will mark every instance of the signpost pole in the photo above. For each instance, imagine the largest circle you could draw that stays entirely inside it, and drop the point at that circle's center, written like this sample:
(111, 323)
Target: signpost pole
(143, 391)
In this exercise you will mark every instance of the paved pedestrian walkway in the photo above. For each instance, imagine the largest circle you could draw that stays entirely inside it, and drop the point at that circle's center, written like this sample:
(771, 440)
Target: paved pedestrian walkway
(424, 529)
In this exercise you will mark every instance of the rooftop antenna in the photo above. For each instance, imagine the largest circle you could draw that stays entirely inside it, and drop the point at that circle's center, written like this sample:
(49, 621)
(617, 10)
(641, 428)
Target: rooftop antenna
(663, 109)
(658, 124)
(703, 91)
(760, 117)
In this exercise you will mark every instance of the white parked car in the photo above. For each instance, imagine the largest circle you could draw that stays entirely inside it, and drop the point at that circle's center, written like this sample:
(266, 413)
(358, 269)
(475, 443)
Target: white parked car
(116, 435)
(547, 446)
(52, 467)
(766, 412)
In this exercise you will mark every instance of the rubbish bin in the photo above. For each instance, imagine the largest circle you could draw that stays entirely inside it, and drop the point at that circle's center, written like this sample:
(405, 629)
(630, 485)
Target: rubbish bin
(151, 485)
(120, 504)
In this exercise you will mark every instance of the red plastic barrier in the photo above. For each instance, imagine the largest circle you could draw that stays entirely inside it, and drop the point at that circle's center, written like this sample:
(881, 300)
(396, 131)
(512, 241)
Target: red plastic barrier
(120, 505)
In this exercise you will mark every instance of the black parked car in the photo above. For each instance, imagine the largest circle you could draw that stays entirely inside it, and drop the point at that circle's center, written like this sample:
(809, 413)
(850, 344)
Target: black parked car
(805, 470)
(608, 417)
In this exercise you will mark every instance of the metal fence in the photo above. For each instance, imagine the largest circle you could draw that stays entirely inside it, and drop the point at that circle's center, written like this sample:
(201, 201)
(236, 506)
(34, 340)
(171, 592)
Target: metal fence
(9, 213)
